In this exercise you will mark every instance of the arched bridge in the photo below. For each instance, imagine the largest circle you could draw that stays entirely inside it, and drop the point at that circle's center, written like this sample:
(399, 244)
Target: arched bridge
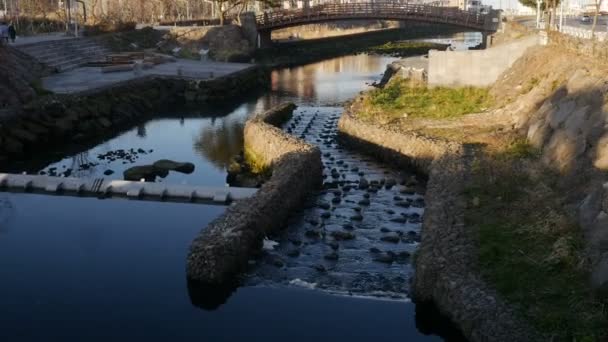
(380, 10)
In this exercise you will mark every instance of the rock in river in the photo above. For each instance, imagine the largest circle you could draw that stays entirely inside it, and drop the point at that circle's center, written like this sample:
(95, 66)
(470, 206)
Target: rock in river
(147, 172)
(170, 165)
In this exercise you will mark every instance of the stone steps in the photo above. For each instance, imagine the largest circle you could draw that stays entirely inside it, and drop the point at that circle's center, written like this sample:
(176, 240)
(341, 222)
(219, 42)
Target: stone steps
(64, 55)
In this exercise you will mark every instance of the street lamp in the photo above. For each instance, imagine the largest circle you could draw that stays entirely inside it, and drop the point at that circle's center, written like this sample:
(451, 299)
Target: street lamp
(538, 5)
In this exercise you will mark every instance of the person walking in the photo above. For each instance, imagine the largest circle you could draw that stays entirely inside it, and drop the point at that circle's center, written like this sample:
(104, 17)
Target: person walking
(3, 32)
(12, 33)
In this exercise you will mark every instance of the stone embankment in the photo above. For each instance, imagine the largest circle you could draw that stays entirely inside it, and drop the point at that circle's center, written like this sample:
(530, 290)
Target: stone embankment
(55, 120)
(561, 109)
(224, 248)
(445, 262)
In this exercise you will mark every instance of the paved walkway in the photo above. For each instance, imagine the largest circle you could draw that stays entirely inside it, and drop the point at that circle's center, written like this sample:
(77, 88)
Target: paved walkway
(41, 38)
(89, 78)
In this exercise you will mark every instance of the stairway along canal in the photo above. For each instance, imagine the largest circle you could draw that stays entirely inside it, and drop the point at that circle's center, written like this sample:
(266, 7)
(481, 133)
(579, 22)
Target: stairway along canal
(94, 269)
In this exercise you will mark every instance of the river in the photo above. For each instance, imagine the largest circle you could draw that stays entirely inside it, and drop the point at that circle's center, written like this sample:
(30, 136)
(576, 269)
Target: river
(95, 270)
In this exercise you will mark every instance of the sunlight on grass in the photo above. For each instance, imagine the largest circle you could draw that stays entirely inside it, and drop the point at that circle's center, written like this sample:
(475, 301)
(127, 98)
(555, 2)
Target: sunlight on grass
(402, 99)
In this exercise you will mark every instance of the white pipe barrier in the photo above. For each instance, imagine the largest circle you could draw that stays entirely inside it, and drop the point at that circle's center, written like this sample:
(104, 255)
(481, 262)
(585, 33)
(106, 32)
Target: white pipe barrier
(134, 190)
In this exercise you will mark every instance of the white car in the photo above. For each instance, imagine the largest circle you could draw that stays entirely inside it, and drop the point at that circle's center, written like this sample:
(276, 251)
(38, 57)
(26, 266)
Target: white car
(585, 19)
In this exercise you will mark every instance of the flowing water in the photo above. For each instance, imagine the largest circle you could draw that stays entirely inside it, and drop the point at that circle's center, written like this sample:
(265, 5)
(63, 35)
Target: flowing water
(88, 269)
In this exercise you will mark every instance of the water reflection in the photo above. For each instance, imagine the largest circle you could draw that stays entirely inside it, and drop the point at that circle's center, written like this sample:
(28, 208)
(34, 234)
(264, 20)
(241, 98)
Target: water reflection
(328, 82)
(220, 141)
(7, 213)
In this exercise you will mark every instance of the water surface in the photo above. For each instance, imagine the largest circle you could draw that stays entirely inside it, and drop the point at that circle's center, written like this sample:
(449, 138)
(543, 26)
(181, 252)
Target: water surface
(97, 270)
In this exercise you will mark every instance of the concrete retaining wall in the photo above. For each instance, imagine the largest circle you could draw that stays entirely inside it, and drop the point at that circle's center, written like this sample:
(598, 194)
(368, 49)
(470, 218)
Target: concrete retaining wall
(477, 68)
(445, 261)
(68, 119)
(224, 248)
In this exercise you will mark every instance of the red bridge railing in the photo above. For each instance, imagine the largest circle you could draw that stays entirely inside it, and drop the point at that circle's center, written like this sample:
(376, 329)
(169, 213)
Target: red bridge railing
(372, 10)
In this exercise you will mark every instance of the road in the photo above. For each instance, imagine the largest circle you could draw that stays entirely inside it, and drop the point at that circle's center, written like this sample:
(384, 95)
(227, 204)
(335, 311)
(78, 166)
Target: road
(574, 21)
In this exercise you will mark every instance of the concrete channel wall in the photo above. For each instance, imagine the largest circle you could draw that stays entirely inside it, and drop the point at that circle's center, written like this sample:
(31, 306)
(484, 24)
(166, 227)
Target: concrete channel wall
(445, 262)
(477, 68)
(224, 248)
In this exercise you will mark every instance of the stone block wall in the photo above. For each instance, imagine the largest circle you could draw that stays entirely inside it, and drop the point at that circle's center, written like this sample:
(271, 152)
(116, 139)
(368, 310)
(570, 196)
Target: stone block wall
(445, 262)
(224, 248)
(477, 68)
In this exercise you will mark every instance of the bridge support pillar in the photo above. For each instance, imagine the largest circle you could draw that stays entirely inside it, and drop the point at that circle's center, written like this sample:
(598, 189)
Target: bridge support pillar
(249, 27)
(486, 40)
(264, 39)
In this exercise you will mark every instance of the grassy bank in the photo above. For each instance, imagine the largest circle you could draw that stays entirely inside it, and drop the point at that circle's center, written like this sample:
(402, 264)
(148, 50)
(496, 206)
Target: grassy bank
(403, 99)
(529, 249)
(404, 48)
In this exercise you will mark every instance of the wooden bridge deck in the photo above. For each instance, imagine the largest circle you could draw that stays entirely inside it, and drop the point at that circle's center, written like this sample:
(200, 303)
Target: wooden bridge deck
(387, 10)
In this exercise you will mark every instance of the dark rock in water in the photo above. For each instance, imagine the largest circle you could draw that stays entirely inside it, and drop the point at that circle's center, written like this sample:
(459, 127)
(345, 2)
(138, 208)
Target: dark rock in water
(296, 242)
(391, 238)
(348, 226)
(385, 230)
(384, 258)
(313, 234)
(312, 221)
(399, 220)
(170, 165)
(366, 196)
(365, 202)
(276, 261)
(334, 245)
(326, 215)
(357, 209)
(404, 255)
(147, 172)
(341, 236)
(332, 256)
(398, 198)
(319, 268)
(390, 183)
(336, 200)
(407, 192)
(374, 250)
(108, 172)
(294, 253)
(403, 204)
(357, 217)
(363, 184)
(390, 212)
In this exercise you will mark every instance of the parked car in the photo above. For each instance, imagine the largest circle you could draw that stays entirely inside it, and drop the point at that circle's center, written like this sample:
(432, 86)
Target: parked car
(586, 19)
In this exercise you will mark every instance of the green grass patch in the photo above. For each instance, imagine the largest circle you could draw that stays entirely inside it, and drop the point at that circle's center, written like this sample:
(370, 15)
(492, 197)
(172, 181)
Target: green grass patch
(529, 249)
(532, 83)
(403, 99)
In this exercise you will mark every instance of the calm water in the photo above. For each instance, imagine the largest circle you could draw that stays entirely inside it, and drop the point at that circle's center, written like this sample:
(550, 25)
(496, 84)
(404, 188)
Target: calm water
(74, 269)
